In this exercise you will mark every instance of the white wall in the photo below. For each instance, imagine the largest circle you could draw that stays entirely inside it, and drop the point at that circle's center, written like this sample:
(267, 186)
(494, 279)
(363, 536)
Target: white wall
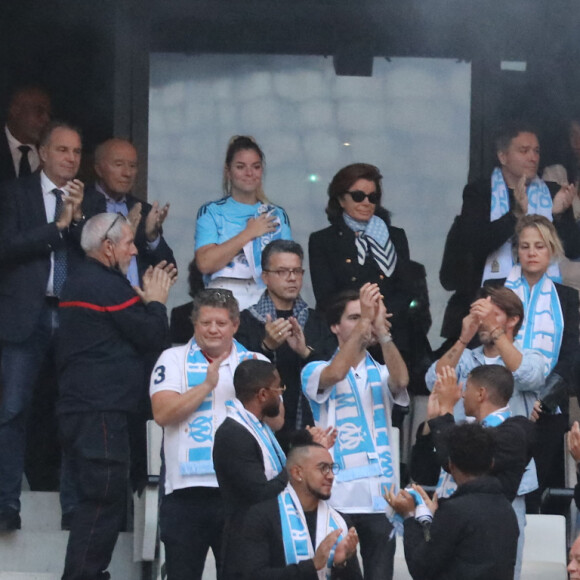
(411, 119)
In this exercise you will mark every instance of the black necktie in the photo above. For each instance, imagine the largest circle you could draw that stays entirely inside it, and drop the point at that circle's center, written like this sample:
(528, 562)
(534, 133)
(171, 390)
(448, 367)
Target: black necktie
(60, 257)
(24, 167)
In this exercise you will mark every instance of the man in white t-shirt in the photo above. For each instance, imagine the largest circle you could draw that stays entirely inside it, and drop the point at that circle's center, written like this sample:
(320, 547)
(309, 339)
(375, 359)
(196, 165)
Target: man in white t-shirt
(355, 394)
(190, 385)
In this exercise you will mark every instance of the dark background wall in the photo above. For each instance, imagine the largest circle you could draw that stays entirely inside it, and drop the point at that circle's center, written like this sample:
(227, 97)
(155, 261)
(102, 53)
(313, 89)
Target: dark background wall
(92, 56)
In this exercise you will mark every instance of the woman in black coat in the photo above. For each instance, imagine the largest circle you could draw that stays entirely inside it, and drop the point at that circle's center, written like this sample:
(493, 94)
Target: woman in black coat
(362, 246)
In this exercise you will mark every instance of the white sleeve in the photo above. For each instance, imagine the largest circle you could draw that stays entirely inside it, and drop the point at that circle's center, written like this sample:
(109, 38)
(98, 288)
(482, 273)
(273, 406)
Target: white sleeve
(168, 373)
(311, 380)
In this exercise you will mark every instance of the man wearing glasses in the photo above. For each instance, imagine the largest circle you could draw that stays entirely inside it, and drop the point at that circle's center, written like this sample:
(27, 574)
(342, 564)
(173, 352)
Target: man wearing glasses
(106, 326)
(282, 327)
(298, 534)
(355, 394)
(189, 388)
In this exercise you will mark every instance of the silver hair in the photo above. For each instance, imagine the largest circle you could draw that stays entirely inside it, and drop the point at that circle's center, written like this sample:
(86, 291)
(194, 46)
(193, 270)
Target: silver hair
(101, 227)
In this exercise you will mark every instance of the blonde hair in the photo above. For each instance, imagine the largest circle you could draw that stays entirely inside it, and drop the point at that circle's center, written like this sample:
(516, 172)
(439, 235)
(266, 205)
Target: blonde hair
(547, 232)
(241, 143)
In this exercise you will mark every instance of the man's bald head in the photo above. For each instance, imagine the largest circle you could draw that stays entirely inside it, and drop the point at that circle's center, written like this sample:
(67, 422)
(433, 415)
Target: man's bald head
(28, 114)
(116, 166)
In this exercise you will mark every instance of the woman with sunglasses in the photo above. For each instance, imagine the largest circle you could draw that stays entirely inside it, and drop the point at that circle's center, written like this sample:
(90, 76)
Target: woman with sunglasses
(362, 246)
(231, 233)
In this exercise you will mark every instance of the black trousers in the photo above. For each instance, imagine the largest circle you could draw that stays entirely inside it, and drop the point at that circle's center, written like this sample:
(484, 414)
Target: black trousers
(191, 521)
(376, 550)
(96, 445)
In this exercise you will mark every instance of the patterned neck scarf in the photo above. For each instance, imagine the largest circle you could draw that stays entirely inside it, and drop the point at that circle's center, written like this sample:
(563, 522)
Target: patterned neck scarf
(265, 306)
(373, 236)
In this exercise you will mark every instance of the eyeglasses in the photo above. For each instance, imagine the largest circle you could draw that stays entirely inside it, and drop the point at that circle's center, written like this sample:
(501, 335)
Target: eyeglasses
(281, 388)
(106, 236)
(359, 196)
(287, 272)
(326, 468)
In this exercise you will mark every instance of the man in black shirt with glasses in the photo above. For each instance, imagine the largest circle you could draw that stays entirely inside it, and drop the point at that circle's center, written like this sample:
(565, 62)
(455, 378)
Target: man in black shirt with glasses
(282, 327)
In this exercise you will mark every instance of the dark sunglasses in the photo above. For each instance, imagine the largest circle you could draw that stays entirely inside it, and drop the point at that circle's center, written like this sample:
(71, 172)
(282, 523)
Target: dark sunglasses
(359, 196)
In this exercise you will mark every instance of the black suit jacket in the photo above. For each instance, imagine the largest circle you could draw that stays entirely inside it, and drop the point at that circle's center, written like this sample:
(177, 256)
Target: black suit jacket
(334, 267)
(95, 202)
(7, 171)
(26, 242)
(263, 550)
(239, 466)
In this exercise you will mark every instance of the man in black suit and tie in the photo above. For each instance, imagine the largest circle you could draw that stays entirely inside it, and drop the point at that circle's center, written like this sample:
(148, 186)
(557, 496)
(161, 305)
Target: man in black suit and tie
(40, 223)
(28, 114)
(116, 168)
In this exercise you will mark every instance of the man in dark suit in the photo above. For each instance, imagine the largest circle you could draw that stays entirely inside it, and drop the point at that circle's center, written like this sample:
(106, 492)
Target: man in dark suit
(116, 168)
(297, 534)
(248, 462)
(40, 222)
(28, 114)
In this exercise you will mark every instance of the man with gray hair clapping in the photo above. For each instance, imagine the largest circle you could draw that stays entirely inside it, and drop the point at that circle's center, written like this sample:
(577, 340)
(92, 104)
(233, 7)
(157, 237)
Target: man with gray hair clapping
(106, 326)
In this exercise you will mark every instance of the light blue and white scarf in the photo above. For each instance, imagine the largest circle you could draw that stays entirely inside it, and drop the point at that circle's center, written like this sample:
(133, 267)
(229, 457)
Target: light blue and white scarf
(274, 458)
(361, 450)
(202, 425)
(500, 262)
(374, 236)
(422, 514)
(253, 249)
(298, 545)
(446, 485)
(543, 325)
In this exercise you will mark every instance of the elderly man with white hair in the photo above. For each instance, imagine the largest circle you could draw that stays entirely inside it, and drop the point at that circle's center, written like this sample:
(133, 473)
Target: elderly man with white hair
(106, 326)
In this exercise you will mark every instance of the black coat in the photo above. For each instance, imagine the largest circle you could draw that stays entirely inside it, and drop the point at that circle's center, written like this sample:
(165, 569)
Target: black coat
(105, 331)
(263, 550)
(478, 237)
(474, 535)
(239, 466)
(7, 170)
(334, 267)
(514, 442)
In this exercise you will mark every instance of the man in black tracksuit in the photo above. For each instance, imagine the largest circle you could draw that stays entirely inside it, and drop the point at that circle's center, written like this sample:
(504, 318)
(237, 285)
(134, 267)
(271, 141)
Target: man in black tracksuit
(105, 328)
